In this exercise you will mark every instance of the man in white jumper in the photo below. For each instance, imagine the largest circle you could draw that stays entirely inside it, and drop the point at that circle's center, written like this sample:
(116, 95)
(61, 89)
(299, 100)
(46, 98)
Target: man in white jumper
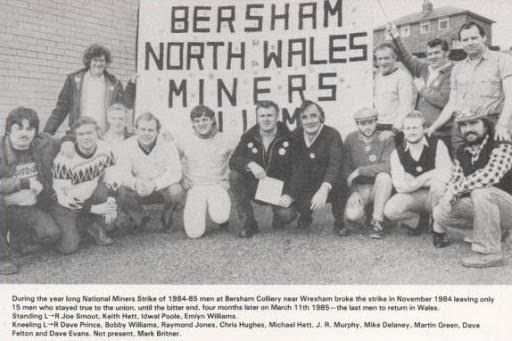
(149, 171)
(205, 159)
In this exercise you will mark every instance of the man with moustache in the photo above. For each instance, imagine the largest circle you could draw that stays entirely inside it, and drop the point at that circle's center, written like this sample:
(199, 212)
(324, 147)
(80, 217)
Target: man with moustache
(264, 150)
(432, 79)
(366, 165)
(318, 176)
(82, 194)
(483, 79)
(394, 91)
(204, 156)
(480, 190)
(419, 168)
(26, 157)
(149, 171)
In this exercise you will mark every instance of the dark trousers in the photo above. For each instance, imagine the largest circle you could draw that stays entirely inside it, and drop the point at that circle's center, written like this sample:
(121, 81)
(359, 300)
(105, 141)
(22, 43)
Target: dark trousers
(132, 204)
(25, 224)
(243, 188)
(337, 197)
(73, 222)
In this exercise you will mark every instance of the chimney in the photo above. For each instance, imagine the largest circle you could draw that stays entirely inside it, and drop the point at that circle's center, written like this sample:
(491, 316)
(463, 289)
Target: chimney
(427, 6)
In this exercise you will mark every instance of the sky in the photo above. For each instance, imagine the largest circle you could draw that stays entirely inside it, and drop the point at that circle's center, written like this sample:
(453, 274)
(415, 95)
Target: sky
(498, 10)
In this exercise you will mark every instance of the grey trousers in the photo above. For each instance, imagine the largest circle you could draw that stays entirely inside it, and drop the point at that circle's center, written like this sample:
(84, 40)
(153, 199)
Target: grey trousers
(488, 210)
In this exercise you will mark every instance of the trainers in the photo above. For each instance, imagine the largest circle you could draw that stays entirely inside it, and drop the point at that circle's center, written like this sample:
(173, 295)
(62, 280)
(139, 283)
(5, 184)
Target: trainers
(483, 260)
(100, 236)
(248, 231)
(377, 230)
(440, 240)
(304, 222)
(7, 267)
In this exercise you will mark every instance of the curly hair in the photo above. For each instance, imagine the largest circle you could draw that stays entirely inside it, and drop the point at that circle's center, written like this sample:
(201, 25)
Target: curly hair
(96, 50)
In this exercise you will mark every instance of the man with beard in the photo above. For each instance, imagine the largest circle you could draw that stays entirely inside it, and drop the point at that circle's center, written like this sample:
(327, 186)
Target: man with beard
(483, 79)
(204, 157)
(480, 190)
(366, 164)
(26, 157)
(82, 194)
(432, 79)
(264, 150)
(419, 165)
(318, 175)
(149, 171)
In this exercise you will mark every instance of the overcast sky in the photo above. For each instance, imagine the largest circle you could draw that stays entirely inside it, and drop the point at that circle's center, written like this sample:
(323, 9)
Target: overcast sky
(497, 10)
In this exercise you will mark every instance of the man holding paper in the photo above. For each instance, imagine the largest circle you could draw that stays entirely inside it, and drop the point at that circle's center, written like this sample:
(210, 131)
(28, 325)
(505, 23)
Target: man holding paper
(261, 163)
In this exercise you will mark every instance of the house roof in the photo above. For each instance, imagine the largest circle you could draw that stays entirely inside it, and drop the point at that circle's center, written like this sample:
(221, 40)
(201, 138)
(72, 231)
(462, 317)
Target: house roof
(444, 11)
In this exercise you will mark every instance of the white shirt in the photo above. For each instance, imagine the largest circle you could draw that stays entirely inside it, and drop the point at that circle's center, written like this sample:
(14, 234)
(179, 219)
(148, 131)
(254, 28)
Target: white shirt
(93, 99)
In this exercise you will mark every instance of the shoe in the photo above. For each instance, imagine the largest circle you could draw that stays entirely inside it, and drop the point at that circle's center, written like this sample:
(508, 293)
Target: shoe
(165, 219)
(144, 221)
(483, 260)
(304, 222)
(440, 240)
(30, 248)
(468, 239)
(248, 231)
(342, 232)
(277, 224)
(377, 230)
(7, 267)
(100, 236)
(413, 232)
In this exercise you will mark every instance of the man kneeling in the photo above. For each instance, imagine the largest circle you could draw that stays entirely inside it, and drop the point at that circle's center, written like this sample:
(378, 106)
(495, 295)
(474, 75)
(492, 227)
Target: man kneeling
(479, 191)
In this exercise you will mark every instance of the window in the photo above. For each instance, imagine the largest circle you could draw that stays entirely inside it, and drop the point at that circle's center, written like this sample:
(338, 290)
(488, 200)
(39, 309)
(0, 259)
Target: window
(387, 36)
(444, 24)
(405, 31)
(425, 27)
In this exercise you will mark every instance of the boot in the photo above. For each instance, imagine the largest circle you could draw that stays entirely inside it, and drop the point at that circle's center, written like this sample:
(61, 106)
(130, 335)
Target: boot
(99, 235)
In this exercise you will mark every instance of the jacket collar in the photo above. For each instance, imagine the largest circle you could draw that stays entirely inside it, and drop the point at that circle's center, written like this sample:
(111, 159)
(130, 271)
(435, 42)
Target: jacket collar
(282, 131)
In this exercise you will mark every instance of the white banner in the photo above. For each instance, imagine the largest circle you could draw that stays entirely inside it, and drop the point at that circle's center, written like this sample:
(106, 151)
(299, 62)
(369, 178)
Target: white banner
(230, 54)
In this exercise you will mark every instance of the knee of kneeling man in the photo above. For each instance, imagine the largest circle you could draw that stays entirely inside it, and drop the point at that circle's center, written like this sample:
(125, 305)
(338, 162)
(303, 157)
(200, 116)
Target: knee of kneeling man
(481, 194)
(383, 177)
(391, 211)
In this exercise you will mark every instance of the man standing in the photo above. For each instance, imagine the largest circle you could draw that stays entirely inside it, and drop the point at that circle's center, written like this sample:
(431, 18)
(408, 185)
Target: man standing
(419, 166)
(149, 171)
(82, 194)
(483, 79)
(26, 157)
(366, 165)
(480, 190)
(264, 150)
(432, 79)
(318, 175)
(204, 156)
(394, 93)
(90, 91)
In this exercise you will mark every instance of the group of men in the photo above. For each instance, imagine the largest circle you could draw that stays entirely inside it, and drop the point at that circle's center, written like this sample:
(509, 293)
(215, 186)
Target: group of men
(408, 162)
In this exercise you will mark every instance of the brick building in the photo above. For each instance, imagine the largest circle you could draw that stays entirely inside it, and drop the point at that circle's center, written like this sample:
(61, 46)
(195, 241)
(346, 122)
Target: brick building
(418, 28)
(43, 40)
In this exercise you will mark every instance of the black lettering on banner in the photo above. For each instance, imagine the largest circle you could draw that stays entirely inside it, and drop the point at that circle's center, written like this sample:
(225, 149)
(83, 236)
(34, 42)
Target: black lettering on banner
(159, 61)
(198, 18)
(221, 88)
(285, 17)
(181, 90)
(228, 18)
(269, 56)
(307, 15)
(169, 54)
(215, 45)
(289, 119)
(333, 48)
(296, 88)
(232, 55)
(337, 9)
(250, 16)
(300, 52)
(331, 87)
(201, 91)
(363, 48)
(195, 55)
(221, 121)
(312, 59)
(244, 119)
(257, 90)
(179, 24)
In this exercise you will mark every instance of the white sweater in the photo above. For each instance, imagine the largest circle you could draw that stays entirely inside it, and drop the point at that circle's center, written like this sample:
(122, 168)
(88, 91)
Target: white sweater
(161, 165)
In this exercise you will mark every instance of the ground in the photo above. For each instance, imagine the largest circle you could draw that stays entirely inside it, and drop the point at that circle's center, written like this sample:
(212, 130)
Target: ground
(286, 256)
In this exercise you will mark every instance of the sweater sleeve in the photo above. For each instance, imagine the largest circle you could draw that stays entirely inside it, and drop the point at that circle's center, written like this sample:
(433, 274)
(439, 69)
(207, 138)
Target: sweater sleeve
(172, 173)
(437, 97)
(62, 107)
(383, 165)
(413, 64)
(334, 166)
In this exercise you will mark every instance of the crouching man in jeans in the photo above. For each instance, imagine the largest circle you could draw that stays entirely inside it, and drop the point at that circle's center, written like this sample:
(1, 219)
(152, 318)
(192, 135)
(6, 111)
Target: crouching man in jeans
(83, 197)
(479, 191)
(26, 157)
(149, 171)
(264, 150)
